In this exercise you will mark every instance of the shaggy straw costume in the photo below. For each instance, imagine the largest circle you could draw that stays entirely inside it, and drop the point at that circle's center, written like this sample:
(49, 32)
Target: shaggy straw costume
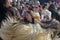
(12, 29)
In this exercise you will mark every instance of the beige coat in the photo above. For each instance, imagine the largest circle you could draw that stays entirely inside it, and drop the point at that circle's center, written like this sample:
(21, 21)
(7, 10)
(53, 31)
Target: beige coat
(14, 30)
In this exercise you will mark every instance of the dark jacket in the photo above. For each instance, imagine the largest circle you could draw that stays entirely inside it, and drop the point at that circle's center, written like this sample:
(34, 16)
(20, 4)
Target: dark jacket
(54, 12)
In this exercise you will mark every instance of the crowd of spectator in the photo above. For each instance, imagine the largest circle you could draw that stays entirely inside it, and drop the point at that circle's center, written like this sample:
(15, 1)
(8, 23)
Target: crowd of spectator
(29, 13)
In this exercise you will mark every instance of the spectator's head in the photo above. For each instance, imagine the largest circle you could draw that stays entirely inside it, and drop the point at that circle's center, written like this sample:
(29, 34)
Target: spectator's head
(36, 8)
(26, 6)
(51, 2)
(28, 16)
(58, 9)
(5, 3)
(40, 8)
(30, 7)
(46, 6)
(37, 3)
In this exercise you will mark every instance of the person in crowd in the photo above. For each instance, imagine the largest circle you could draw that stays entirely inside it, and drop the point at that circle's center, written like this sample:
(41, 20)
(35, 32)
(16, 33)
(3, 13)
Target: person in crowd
(56, 5)
(55, 14)
(36, 12)
(7, 10)
(46, 14)
(29, 17)
(40, 10)
(40, 7)
(31, 21)
(58, 9)
(46, 19)
(53, 10)
(30, 7)
(24, 9)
